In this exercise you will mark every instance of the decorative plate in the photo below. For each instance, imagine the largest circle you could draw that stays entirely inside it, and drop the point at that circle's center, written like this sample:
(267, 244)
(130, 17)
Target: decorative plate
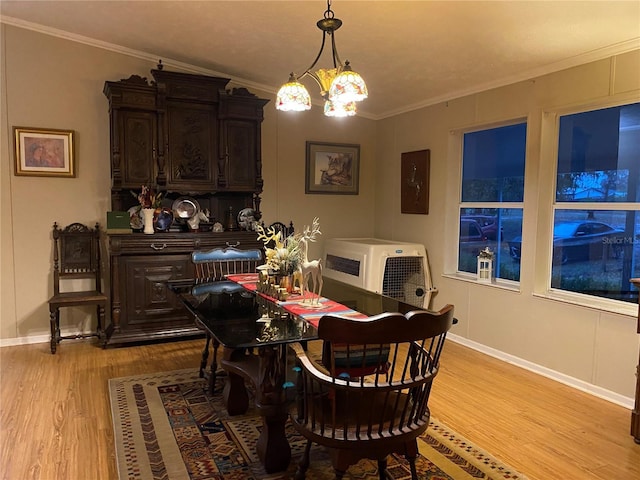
(185, 208)
(246, 218)
(162, 220)
(135, 222)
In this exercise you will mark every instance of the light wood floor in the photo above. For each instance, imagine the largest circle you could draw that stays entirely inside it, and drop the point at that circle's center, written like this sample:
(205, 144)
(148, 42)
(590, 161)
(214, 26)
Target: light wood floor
(55, 418)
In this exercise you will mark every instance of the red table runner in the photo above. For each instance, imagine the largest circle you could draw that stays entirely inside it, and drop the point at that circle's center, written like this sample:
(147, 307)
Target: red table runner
(294, 305)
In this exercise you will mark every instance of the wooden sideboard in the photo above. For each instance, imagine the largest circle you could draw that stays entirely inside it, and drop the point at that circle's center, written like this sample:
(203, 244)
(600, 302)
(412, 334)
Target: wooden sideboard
(142, 308)
(185, 135)
(635, 415)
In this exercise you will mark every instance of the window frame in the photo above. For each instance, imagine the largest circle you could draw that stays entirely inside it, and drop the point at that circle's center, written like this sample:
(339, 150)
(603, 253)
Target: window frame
(549, 149)
(459, 138)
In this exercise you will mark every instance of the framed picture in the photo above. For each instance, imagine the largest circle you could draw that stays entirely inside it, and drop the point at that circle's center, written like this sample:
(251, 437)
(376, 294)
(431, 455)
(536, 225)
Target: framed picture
(414, 177)
(332, 168)
(44, 152)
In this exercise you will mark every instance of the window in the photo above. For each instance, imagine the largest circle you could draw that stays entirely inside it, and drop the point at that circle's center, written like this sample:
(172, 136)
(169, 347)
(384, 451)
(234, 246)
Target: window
(596, 218)
(492, 197)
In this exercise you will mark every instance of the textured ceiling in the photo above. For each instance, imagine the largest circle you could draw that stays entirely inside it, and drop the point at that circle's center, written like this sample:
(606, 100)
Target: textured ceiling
(411, 53)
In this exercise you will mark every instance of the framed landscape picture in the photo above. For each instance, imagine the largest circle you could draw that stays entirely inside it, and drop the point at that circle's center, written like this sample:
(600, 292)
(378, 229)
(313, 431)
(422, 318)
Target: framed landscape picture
(44, 152)
(332, 168)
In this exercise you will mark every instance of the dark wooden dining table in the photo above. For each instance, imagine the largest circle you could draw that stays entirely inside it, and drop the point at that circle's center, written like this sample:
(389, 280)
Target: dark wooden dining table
(254, 332)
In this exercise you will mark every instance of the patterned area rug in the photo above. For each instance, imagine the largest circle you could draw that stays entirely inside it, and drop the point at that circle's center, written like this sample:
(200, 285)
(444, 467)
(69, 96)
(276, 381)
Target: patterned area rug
(167, 427)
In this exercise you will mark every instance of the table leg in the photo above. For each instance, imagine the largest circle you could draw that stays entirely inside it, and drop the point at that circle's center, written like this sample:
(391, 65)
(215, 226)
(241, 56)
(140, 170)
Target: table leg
(273, 448)
(205, 357)
(235, 395)
(266, 370)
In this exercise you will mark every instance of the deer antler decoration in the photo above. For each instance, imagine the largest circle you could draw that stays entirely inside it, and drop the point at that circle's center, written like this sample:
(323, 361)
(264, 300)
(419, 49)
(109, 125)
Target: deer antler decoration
(269, 235)
(310, 233)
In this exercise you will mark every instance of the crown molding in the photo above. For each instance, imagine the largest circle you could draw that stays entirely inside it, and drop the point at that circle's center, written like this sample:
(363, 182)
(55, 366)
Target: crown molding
(167, 62)
(593, 56)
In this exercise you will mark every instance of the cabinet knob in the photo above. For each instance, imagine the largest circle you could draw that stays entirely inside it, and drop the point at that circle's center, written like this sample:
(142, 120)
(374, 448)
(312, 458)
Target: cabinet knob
(158, 247)
(237, 244)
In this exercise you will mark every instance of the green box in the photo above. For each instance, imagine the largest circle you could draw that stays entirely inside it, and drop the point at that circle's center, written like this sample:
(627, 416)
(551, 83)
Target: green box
(118, 222)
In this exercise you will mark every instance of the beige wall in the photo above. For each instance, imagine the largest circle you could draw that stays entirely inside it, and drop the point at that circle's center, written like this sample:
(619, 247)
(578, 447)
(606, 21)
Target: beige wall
(596, 348)
(56, 83)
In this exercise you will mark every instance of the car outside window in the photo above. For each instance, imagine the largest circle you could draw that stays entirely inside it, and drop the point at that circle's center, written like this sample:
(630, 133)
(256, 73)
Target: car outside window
(492, 193)
(596, 235)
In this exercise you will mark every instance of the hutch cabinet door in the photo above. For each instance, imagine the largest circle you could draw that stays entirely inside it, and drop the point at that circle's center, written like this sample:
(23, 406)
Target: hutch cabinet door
(188, 107)
(147, 302)
(134, 137)
(241, 166)
(138, 145)
(240, 156)
(192, 139)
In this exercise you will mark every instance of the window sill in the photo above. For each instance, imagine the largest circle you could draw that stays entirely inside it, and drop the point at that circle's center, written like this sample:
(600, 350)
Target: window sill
(497, 283)
(592, 302)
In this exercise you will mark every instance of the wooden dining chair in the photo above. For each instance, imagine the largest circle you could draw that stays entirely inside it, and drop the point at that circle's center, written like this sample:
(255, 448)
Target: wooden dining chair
(283, 229)
(213, 266)
(76, 256)
(369, 397)
(275, 227)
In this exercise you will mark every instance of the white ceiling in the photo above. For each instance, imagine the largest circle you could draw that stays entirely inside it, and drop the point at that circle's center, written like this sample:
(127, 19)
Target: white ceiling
(411, 53)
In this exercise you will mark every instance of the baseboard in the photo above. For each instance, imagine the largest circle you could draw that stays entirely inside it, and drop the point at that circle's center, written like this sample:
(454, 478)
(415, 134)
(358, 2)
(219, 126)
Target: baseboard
(581, 385)
(31, 339)
(12, 342)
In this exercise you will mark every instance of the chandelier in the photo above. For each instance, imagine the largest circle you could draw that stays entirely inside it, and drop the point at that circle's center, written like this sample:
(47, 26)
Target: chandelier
(340, 86)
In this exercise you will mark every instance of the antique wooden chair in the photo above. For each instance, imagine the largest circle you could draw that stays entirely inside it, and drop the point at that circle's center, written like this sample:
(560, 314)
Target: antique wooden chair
(76, 255)
(381, 410)
(213, 266)
(284, 230)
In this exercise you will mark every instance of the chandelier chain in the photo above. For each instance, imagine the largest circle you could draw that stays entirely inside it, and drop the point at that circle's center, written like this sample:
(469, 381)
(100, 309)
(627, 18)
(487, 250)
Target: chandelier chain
(329, 12)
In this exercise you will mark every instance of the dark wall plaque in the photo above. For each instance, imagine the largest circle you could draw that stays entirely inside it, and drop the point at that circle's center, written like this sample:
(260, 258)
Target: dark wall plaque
(414, 177)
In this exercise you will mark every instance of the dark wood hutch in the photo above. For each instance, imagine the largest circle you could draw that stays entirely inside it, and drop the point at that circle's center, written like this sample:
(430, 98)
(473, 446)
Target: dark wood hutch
(186, 135)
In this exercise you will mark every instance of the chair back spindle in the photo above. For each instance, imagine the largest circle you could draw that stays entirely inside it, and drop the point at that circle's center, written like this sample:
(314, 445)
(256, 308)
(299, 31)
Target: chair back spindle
(214, 265)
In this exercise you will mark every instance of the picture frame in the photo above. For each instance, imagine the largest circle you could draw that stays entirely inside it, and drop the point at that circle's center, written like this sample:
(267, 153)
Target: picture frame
(44, 152)
(332, 168)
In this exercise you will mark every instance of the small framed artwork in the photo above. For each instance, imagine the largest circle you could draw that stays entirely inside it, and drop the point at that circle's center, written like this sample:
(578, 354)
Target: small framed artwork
(332, 168)
(414, 177)
(44, 152)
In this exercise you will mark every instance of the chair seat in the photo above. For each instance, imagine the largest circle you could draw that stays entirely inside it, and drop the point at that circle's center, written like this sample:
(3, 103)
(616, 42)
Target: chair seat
(68, 299)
